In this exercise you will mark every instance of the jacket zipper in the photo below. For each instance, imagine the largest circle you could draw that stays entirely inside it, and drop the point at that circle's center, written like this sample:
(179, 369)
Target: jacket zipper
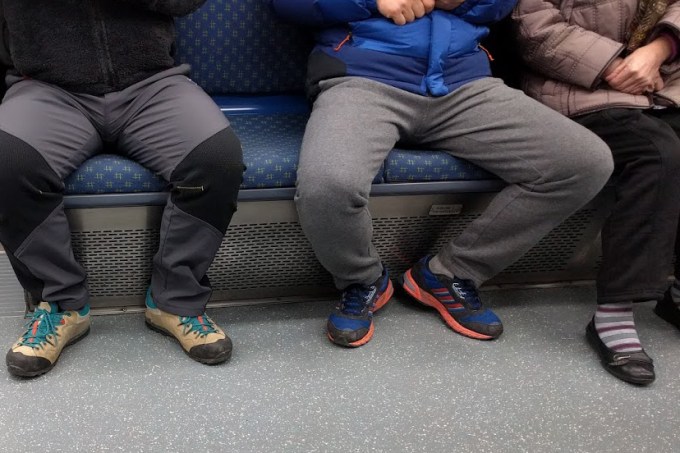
(343, 42)
(486, 51)
(103, 51)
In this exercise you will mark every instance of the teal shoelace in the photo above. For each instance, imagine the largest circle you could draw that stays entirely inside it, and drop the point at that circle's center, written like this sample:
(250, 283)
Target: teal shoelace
(42, 328)
(201, 325)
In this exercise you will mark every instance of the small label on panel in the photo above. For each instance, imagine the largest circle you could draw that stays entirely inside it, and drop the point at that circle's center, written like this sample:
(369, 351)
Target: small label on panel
(446, 209)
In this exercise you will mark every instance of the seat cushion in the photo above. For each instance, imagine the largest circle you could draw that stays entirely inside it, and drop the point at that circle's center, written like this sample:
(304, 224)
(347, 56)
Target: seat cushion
(107, 173)
(271, 145)
(421, 166)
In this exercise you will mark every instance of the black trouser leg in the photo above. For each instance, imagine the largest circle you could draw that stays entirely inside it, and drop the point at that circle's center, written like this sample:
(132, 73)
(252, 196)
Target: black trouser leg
(204, 192)
(33, 227)
(638, 237)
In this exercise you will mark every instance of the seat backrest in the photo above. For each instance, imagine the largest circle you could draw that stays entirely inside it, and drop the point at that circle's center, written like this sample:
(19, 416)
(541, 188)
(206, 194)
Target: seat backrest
(241, 47)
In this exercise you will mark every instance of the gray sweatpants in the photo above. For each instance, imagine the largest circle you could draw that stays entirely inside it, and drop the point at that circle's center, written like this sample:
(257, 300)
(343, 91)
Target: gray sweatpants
(552, 165)
(168, 124)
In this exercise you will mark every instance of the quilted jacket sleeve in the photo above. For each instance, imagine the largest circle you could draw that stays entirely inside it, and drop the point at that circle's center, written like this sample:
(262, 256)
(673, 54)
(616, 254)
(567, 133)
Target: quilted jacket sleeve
(324, 12)
(482, 12)
(554, 48)
(670, 22)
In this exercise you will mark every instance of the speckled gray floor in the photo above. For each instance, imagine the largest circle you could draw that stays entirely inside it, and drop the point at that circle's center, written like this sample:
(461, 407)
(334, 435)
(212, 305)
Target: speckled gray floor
(416, 387)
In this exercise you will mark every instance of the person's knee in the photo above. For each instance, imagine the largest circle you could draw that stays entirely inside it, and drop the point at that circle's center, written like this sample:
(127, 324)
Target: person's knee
(323, 191)
(208, 179)
(30, 190)
(24, 169)
(588, 169)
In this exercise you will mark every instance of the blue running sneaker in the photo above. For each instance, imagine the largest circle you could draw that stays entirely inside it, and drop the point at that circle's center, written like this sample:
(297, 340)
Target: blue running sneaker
(456, 300)
(351, 323)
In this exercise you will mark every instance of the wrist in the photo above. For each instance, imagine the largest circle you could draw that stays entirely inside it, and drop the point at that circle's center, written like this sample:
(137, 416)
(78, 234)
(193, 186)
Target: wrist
(664, 47)
(612, 67)
(672, 40)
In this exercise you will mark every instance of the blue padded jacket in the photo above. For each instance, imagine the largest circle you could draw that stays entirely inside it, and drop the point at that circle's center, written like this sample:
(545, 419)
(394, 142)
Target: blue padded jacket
(432, 55)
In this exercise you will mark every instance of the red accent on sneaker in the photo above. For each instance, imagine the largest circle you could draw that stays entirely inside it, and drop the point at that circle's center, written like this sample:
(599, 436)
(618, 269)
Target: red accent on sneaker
(426, 298)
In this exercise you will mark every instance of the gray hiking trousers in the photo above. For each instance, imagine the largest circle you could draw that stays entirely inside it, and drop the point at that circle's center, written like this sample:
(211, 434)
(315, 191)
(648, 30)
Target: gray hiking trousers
(166, 123)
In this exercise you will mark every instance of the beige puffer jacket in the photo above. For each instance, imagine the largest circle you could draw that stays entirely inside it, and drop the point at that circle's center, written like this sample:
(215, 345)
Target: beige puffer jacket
(568, 44)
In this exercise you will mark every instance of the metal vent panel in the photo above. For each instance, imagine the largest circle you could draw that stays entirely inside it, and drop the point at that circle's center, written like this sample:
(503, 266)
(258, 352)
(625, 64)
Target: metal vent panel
(265, 253)
(118, 262)
(401, 241)
(554, 252)
(11, 293)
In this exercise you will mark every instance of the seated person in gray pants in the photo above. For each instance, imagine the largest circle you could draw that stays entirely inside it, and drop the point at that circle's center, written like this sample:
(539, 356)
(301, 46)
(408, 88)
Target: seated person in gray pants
(389, 71)
(80, 84)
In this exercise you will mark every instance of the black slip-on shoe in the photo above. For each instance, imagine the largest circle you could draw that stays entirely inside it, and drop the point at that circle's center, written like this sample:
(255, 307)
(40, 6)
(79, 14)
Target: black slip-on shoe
(633, 367)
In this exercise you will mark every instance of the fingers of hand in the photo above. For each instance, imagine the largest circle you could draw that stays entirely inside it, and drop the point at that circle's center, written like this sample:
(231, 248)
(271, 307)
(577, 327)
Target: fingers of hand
(658, 84)
(398, 18)
(409, 14)
(418, 9)
(402, 12)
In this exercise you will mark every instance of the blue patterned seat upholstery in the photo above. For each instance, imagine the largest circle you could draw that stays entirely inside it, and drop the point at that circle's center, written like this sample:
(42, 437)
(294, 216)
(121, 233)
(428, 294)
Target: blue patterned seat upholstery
(271, 145)
(239, 51)
(108, 173)
(270, 148)
(421, 166)
(239, 46)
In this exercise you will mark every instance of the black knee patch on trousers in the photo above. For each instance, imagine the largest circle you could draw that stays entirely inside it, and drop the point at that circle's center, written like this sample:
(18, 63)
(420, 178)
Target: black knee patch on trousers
(29, 190)
(205, 184)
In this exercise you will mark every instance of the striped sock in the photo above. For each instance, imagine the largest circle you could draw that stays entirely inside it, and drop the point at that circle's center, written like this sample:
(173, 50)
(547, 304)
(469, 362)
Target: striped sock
(675, 292)
(616, 328)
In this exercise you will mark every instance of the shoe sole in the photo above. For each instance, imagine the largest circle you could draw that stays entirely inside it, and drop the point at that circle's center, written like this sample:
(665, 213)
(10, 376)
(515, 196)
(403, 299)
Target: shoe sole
(380, 303)
(594, 342)
(425, 298)
(16, 371)
(214, 361)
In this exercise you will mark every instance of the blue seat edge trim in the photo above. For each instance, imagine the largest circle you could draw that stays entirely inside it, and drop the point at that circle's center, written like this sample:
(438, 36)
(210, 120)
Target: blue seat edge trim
(287, 193)
(263, 105)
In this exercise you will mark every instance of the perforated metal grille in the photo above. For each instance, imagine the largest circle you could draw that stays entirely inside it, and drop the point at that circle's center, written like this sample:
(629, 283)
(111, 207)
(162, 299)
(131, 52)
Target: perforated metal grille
(277, 255)
(118, 263)
(11, 294)
(401, 241)
(266, 254)
(553, 252)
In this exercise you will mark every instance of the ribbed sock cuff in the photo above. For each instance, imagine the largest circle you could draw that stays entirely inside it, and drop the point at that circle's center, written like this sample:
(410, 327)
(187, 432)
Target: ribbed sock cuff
(615, 326)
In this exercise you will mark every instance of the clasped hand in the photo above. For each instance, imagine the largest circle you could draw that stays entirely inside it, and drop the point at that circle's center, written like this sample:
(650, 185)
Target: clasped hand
(402, 12)
(638, 73)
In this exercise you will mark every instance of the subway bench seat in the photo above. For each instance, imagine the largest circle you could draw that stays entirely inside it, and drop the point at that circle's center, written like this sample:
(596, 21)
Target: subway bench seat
(253, 65)
(420, 200)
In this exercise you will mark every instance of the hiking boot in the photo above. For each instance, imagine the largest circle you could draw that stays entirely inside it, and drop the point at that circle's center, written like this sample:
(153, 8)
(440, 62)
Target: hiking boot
(200, 337)
(48, 332)
(456, 300)
(351, 322)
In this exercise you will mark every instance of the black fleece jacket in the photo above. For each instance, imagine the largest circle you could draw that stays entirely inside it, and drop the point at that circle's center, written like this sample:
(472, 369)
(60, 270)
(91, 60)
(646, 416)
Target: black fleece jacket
(92, 46)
